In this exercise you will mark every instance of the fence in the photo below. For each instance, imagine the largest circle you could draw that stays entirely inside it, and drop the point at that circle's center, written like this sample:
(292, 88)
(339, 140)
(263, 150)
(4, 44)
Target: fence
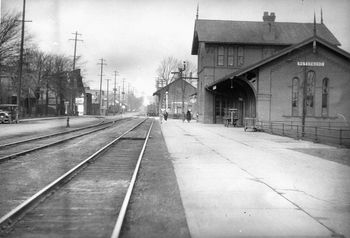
(322, 134)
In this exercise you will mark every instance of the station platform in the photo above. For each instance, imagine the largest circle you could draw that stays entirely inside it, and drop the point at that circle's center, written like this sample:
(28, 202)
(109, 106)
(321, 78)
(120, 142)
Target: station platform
(253, 184)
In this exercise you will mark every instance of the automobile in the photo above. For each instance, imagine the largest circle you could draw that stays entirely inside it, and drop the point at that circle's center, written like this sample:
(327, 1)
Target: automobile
(10, 111)
(4, 117)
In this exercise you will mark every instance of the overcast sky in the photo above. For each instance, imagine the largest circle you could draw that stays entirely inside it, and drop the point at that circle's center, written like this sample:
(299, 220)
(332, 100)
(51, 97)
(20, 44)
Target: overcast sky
(134, 35)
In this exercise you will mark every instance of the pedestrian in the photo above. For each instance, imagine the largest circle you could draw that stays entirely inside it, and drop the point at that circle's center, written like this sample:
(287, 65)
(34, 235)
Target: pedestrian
(188, 115)
(161, 116)
(165, 115)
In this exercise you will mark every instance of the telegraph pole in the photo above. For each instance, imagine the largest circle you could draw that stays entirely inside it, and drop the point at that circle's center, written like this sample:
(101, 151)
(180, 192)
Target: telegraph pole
(114, 90)
(123, 92)
(72, 85)
(75, 47)
(21, 64)
(119, 97)
(101, 63)
(304, 110)
(123, 100)
(107, 94)
(183, 87)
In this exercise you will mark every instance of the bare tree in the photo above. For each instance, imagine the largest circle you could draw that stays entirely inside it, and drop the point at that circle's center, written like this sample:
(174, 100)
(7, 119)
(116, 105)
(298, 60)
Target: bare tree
(10, 32)
(171, 65)
(166, 67)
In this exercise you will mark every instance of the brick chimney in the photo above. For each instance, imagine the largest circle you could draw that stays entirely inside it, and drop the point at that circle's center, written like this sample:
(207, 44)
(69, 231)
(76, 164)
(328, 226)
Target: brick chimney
(269, 26)
(269, 18)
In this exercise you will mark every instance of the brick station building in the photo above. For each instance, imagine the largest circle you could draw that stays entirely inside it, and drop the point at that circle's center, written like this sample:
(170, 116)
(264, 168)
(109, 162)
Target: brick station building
(260, 68)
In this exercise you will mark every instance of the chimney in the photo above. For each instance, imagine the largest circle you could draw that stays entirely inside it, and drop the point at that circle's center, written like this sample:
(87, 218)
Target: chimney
(269, 26)
(269, 18)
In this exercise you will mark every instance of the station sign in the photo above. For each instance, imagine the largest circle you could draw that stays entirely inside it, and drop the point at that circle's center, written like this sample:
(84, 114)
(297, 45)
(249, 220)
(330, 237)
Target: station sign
(310, 63)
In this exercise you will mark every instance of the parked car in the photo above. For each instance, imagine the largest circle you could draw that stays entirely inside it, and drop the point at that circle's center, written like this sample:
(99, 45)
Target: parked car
(4, 117)
(10, 111)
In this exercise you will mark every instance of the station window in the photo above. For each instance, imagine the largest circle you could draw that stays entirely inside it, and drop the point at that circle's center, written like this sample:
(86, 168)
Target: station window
(240, 56)
(295, 96)
(325, 89)
(230, 56)
(310, 93)
(221, 55)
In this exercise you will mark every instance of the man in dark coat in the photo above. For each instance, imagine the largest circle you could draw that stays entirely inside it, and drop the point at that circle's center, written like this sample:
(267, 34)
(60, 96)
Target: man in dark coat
(188, 115)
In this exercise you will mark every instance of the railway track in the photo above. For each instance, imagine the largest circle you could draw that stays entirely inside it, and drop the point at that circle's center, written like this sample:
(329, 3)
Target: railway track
(85, 201)
(18, 148)
(43, 136)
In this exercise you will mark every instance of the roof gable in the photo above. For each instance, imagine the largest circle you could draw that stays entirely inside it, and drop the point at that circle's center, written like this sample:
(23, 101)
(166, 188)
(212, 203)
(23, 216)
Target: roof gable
(166, 87)
(250, 32)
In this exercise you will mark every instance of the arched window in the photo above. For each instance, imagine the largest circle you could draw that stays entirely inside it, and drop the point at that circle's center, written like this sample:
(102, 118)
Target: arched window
(310, 93)
(325, 89)
(295, 96)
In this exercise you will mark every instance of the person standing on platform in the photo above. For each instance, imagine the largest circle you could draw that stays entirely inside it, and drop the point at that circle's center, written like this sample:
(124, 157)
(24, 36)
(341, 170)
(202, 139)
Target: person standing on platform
(165, 115)
(188, 116)
(161, 116)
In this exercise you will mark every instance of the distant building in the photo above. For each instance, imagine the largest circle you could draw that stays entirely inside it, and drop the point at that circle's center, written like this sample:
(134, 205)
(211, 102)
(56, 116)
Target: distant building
(47, 98)
(260, 69)
(92, 104)
(177, 97)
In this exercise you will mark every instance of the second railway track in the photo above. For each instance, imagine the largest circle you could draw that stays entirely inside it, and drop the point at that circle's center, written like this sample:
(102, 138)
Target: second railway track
(85, 201)
(14, 149)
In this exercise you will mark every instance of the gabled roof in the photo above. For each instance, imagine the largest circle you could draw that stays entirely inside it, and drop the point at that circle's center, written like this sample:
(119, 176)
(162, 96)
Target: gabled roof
(282, 53)
(166, 87)
(251, 32)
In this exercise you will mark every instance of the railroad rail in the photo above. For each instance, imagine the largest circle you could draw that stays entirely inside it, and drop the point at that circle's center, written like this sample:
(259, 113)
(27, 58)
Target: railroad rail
(53, 134)
(122, 154)
(8, 151)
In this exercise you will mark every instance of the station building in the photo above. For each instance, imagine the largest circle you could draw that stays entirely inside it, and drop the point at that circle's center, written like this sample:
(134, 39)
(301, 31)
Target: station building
(176, 97)
(260, 68)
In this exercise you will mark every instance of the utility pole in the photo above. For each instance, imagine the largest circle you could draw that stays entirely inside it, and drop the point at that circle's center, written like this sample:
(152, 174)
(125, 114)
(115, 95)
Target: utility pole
(21, 64)
(119, 96)
(75, 47)
(107, 95)
(72, 85)
(101, 63)
(128, 96)
(182, 86)
(123, 100)
(123, 92)
(114, 90)
(304, 110)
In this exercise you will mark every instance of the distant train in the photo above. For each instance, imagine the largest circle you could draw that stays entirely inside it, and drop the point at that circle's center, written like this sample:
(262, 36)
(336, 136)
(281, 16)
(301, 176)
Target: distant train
(152, 110)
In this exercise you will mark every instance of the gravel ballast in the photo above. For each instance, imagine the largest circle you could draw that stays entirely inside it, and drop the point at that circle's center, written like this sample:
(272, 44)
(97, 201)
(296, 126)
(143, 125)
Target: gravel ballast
(156, 209)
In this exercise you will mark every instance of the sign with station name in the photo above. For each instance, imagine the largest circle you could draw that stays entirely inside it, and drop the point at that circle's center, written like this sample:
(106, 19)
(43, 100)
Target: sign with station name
(308, 63)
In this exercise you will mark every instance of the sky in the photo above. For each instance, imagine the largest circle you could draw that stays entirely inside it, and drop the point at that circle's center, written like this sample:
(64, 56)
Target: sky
(133, 36)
